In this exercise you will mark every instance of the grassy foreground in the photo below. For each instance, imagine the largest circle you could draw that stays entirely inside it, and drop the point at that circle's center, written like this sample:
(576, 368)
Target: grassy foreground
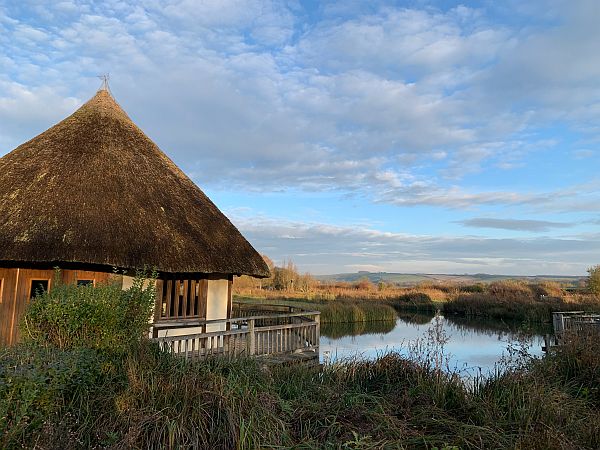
(86, 378)
(83, 398)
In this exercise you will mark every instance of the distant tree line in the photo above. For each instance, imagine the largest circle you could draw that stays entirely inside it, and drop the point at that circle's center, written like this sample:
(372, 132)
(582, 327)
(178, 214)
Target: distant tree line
(287, 278)
(283, 278)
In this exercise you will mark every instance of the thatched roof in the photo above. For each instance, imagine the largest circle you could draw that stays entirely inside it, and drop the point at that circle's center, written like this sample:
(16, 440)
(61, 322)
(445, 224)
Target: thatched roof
(94, 189)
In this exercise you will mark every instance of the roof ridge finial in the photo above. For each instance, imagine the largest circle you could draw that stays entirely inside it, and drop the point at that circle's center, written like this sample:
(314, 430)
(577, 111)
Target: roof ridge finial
(104, 86)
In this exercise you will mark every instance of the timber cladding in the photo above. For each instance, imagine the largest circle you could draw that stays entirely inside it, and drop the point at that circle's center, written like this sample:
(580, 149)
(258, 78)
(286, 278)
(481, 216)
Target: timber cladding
(17, 286)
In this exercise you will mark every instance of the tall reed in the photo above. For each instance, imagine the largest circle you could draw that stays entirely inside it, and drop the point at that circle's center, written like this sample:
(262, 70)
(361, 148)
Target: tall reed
(154, 400)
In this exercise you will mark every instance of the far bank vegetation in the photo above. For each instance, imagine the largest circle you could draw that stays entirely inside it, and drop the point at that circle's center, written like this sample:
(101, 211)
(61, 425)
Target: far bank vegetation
(510, 299)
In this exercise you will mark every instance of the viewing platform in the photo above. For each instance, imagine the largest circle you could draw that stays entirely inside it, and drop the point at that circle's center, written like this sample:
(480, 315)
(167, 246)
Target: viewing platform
(283, 334)
(567, 324)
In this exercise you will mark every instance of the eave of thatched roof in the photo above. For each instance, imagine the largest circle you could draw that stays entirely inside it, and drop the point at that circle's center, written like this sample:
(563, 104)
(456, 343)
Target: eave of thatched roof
(94, 189)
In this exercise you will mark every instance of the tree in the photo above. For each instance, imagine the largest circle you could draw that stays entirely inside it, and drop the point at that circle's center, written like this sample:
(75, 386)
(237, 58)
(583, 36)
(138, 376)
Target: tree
(363, 284)
(594, 279)
(245, 282)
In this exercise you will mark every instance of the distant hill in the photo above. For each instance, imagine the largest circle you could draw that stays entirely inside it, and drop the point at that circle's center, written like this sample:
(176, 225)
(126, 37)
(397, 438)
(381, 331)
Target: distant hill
(410, 279)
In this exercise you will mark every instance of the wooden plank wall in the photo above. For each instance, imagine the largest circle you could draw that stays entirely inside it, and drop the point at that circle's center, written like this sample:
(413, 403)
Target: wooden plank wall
(15, 294)
(7, 304)
(181, 299)
(72, 276)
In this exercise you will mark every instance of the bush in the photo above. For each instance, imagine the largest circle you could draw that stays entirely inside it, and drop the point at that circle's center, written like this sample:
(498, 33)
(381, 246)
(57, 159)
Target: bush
(576, 366)
(103, 317)
(44, 392)
(594, 279)
(510, 290)
(473, 288)
(414, 301)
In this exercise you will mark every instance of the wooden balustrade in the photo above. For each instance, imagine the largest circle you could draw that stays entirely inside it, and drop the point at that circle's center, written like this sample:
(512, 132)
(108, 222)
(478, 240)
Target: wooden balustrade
(266, 334)
(568, 324)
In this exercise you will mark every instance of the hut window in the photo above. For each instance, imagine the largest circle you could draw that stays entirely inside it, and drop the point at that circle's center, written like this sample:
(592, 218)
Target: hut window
(183, 299)
(85, 282)
(38, 287)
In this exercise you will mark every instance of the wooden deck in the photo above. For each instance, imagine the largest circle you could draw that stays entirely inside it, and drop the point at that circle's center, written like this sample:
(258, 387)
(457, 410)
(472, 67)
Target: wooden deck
(567, 324)
(272, 333)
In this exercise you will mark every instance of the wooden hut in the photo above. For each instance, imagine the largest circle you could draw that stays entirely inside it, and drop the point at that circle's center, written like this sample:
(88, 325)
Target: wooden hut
(94, 193)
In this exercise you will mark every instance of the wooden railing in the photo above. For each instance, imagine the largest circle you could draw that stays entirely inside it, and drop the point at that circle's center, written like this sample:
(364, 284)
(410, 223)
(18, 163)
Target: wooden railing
(568, 324)
(266, 334)
(575, 321)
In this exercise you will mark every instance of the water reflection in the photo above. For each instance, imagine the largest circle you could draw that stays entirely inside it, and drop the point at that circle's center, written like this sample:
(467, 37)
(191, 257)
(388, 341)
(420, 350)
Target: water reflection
(340, 330)
(474, 344)
(416, 318)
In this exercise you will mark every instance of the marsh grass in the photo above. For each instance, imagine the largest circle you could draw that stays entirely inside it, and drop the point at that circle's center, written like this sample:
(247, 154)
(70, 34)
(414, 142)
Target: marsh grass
(353, 312)
(154, 400)
(336, 311)
(507, 299)
(78, 397)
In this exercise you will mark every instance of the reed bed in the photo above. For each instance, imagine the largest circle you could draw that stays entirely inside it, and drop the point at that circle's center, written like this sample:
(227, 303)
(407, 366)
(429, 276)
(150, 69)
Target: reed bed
(507, 299)
(351, 312)
(148, 399)
(82, 396)
(338, 311)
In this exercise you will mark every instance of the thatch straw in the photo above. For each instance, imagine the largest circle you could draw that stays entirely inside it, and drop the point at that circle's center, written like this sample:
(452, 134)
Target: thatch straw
(94, 189)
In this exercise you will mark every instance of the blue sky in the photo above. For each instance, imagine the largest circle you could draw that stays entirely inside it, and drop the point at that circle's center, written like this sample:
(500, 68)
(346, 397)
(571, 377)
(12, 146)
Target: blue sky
(417, 136)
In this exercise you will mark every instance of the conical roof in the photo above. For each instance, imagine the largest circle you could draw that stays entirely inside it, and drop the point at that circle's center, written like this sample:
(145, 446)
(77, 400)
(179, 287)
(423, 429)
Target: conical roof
(94, 189)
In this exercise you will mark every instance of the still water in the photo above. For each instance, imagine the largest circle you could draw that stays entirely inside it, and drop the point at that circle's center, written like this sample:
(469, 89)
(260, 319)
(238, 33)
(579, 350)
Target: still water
(472, 346)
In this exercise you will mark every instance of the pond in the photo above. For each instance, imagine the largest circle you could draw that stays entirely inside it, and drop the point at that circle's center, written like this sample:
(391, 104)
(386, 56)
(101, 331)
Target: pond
(472, 346)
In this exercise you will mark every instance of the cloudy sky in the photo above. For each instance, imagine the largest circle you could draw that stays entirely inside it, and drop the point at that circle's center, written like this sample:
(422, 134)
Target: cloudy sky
(416, 136)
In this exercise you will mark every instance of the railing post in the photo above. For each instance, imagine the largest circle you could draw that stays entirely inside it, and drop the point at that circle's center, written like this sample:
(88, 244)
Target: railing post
(317, 330)
(251, 338)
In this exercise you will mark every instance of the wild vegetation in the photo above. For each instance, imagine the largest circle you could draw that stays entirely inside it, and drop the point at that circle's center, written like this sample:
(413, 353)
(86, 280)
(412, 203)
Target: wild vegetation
(504, 299)
(78, 393)
(594, 279)
(103, 317)
(87, 377)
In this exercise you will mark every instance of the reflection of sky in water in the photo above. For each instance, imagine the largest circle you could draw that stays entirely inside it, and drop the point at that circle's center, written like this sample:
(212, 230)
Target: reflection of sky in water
(468, 348)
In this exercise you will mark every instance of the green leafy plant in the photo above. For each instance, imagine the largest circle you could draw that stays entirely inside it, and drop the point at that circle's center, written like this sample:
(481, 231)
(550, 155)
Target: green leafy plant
(594, 279)
(104, 317)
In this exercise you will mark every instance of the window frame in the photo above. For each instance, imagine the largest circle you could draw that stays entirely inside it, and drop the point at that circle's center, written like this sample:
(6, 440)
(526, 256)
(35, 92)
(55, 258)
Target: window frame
(88, 281)
(32, 292)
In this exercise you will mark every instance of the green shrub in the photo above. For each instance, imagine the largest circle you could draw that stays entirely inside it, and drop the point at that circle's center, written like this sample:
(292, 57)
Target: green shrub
(414, 301)
(104, 317)
(593, 280)
(472, 288)
(44, 392)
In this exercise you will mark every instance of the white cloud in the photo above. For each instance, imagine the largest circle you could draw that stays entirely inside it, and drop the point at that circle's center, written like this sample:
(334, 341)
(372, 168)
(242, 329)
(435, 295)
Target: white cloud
(397, 104)
(514, 224)
(329, 249)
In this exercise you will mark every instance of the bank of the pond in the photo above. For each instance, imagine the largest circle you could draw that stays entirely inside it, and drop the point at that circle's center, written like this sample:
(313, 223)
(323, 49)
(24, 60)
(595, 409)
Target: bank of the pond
(335, 311)
(506, 300)
(146, 399)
